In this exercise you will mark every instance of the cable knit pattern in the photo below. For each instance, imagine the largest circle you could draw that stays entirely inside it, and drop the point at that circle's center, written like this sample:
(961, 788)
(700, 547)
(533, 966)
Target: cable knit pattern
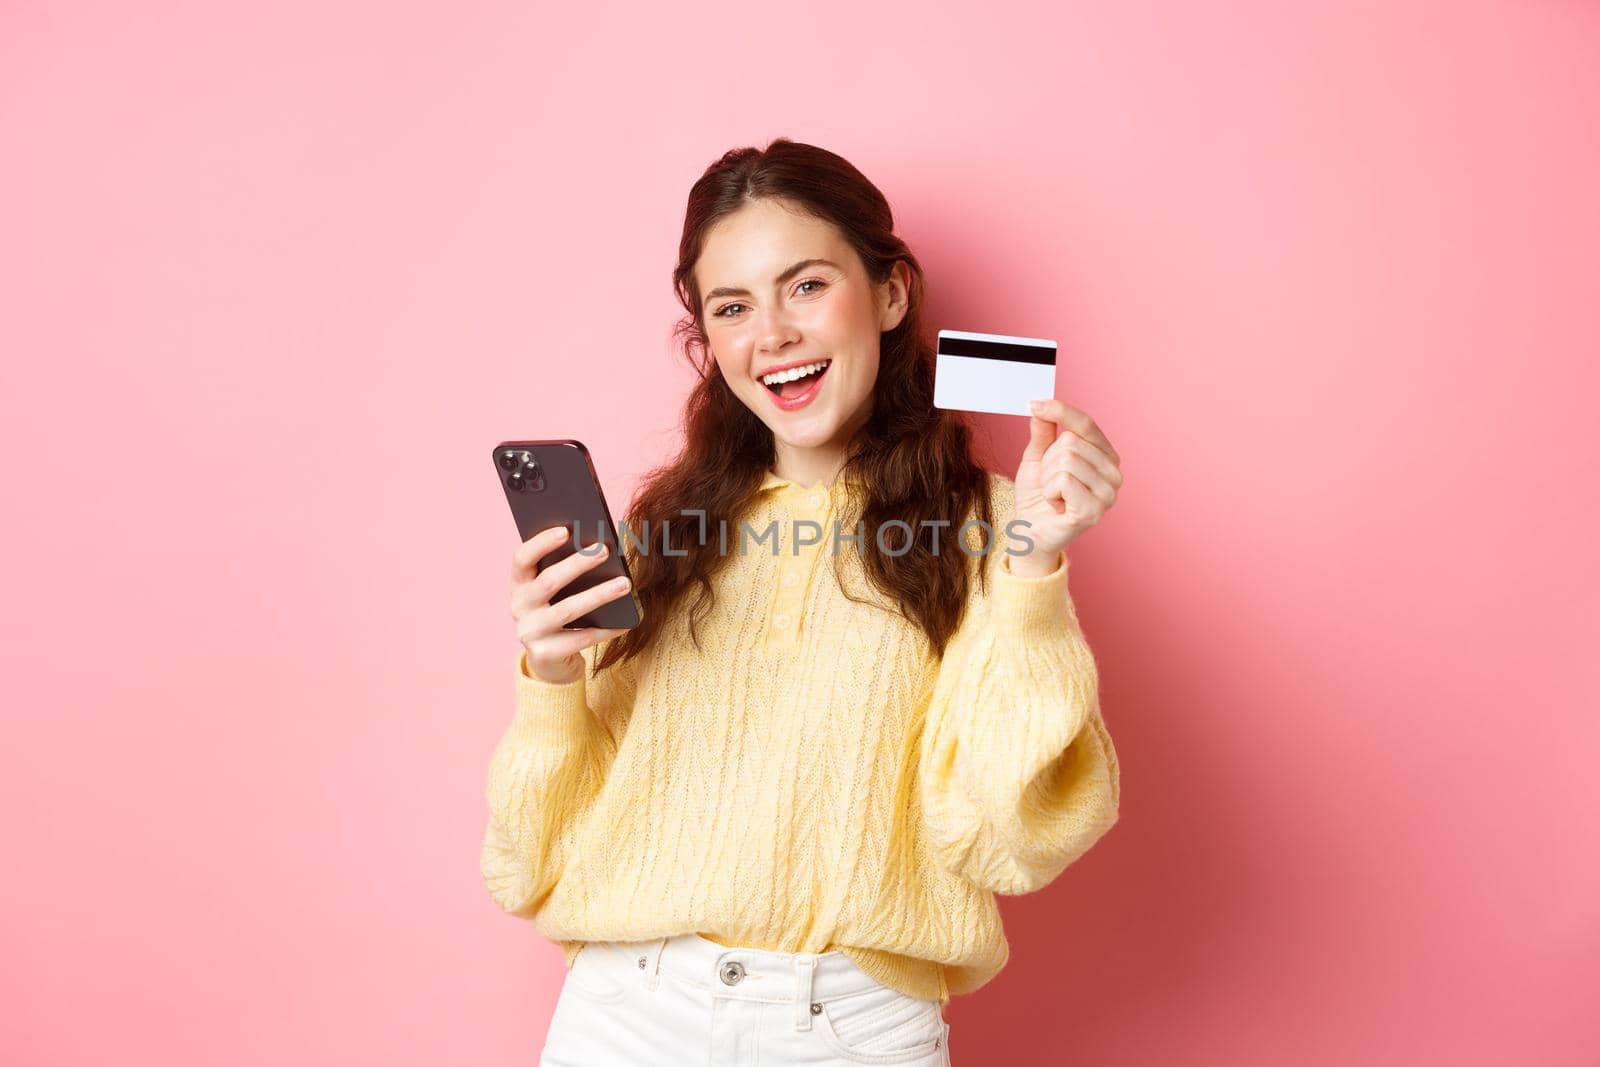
(813, 777)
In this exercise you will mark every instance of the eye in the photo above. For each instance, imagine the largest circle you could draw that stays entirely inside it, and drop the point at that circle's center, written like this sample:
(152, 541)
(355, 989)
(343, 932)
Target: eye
(720, 313)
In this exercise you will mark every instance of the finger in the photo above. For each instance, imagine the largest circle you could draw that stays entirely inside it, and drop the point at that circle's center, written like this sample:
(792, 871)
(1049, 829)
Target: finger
(1070, 418)
(544, 587)
(570, 607)
(562, 573)
(1070, 443)
(1080, 499)
(1042, 433)
(1103, 442)
(525, 560)
(1081, 475)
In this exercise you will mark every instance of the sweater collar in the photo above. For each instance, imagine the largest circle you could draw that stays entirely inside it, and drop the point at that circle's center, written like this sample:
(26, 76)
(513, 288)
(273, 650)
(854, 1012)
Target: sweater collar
(773, 481)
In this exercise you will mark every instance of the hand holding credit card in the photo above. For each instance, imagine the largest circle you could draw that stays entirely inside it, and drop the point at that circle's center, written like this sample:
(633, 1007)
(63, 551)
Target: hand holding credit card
(992, 372)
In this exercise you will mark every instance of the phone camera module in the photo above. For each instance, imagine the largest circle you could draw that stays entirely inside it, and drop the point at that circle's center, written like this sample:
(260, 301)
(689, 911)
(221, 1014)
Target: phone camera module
(521, 471)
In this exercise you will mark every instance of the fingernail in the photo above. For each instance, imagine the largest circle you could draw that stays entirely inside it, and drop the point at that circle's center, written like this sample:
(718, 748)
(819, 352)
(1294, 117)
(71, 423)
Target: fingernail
(1035, 405)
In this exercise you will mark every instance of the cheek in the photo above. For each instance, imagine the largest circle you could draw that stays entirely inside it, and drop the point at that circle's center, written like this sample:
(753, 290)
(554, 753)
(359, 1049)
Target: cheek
(732, 360)
(842, 315)
(852, 321)
(866, 375)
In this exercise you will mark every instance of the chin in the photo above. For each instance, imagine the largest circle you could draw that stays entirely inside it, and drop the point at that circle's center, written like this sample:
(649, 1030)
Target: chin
(817, 428)
(804, 440)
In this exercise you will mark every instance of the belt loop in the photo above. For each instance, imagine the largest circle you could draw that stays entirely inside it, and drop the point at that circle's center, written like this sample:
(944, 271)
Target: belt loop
(805, 965)
(652, 963)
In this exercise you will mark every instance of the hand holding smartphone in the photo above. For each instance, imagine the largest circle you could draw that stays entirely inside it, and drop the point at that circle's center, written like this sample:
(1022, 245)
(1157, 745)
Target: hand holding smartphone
(565, 595)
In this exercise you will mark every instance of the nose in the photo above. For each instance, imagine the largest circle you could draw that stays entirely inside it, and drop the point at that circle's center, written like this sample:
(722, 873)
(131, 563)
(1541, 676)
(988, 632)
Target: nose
(775, 330)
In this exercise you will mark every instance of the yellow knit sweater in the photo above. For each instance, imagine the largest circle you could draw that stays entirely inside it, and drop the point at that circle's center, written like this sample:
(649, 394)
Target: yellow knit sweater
(813, 777)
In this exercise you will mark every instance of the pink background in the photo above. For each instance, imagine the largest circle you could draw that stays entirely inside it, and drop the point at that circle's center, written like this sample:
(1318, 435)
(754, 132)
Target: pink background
(274, 279)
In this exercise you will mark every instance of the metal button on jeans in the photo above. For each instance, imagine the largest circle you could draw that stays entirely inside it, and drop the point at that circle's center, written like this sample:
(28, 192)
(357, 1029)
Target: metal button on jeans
(732, 972)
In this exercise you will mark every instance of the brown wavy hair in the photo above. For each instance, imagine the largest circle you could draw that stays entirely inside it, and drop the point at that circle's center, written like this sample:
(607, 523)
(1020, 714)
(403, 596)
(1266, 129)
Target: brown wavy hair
(912, 462)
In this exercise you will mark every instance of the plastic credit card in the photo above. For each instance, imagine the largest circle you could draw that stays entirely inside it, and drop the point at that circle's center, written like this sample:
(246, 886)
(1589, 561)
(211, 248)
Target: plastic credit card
(992, 372)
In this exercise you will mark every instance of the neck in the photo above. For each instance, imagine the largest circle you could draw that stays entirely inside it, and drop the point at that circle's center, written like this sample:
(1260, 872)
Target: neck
(821, 464)
(808, 466)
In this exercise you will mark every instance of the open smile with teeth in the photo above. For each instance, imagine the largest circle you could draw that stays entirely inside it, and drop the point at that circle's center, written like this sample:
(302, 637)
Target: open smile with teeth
(794, 374)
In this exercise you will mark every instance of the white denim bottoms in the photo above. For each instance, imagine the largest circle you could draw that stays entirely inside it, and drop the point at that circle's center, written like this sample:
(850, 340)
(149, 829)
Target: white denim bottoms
(689, 1001)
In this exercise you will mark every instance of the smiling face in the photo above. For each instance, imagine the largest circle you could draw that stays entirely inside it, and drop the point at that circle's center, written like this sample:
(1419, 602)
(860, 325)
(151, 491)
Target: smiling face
(785, 291)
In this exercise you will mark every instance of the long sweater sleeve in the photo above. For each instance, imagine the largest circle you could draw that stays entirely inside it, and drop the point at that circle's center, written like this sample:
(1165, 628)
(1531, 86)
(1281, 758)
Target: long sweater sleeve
(1018, 773)
(545, 774)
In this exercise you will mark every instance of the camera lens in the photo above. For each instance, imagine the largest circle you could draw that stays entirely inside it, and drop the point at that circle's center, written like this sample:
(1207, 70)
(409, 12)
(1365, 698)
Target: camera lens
(516, 481)
(508, 461)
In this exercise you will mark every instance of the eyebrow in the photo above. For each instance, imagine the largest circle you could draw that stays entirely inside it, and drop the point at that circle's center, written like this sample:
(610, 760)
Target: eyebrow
(726, 290)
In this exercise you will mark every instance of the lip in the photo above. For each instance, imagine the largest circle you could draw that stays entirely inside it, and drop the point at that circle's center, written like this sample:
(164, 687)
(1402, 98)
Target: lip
(788, 366)
(795, 403)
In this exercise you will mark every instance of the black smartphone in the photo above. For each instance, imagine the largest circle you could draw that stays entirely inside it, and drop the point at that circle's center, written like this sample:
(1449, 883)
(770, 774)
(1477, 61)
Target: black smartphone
(553, 483)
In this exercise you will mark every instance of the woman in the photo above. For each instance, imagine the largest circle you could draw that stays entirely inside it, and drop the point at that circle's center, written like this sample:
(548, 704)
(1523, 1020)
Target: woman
(772, 819)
